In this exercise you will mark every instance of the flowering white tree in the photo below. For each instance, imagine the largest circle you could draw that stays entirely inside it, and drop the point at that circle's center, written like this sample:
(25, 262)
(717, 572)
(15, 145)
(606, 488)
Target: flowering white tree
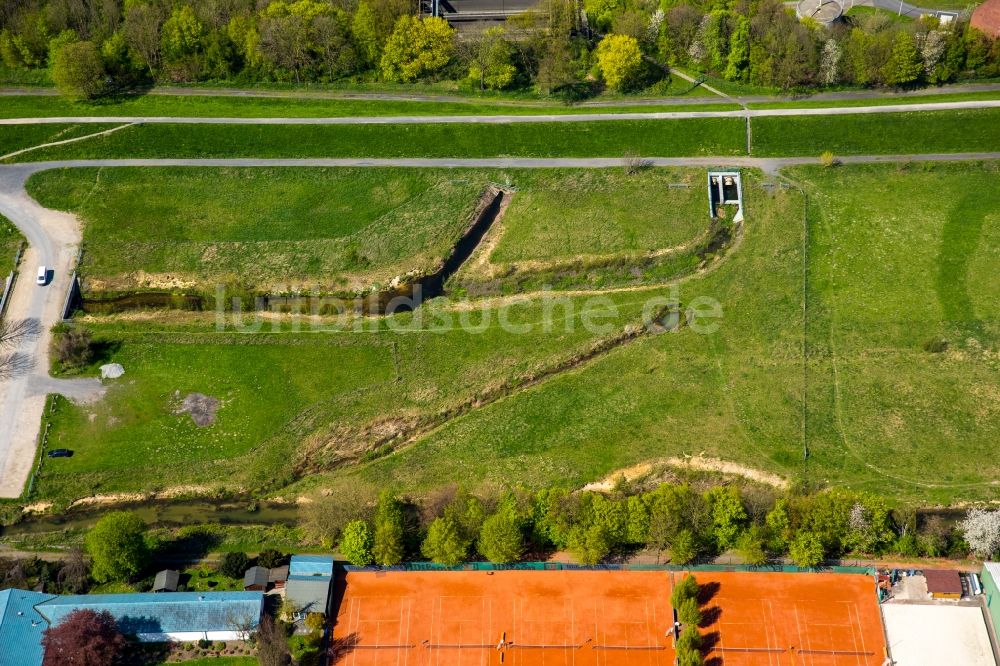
(829, 64)
(982, 531)
(931, 46)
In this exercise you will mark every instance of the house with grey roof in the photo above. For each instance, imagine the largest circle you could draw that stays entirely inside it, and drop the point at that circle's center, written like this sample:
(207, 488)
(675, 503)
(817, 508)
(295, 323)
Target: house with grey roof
(308, 586)
(149, 617)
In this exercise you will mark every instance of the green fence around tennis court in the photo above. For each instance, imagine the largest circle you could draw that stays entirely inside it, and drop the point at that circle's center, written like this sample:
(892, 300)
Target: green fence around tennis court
(564, 566)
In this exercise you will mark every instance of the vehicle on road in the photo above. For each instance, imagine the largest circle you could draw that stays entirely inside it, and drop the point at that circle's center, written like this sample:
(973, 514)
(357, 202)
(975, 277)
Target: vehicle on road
(60, 453)
(43, 276)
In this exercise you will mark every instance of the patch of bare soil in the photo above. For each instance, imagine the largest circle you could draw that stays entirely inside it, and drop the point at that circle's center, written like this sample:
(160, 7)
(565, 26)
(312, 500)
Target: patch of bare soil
(700, 463)
(125, 498)
(202, 408)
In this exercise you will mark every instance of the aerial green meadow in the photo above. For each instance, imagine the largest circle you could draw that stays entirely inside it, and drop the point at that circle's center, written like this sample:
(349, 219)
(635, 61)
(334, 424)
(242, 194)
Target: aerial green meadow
(855, 304)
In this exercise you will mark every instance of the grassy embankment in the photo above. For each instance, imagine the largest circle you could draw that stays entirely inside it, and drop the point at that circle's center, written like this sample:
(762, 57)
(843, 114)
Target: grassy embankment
(278, 389)
(278, 229)
(898, 258)
(703, 136)
(884, 133)
(221, 106)
(10, 240)
(17, 137)
(348, 229)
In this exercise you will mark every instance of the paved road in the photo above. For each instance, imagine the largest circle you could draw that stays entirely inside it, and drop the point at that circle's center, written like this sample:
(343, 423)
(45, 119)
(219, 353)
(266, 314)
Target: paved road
(54, 237)
(510, 119)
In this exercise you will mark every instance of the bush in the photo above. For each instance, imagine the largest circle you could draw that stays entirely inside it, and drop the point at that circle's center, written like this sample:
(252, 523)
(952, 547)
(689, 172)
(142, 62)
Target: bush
(936, 345)
(74, 347)
(689, 613)
(828, 160)
(270, 558)
(234, 565)
(684, 590)
(689, 640)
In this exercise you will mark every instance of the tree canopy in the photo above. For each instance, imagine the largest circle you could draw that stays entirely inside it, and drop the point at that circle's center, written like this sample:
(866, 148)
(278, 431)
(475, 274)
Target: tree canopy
(117, 547)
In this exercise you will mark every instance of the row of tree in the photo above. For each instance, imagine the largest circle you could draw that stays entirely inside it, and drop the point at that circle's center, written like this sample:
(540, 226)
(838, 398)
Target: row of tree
(93, 46)
(762, 43)
(677, 521)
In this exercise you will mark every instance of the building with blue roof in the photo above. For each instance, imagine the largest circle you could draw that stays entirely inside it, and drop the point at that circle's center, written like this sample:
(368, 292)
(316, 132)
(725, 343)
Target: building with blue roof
(171, 616)
(21, 627)
(308, 586)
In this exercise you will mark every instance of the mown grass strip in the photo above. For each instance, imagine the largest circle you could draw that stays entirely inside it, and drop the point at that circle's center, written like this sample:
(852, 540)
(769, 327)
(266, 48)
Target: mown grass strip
(43, 106)
(973, 130)
(19, 137)
(701, 136)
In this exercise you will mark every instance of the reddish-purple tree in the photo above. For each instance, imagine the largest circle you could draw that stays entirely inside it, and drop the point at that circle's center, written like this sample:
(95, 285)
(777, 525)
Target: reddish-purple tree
(84, 638)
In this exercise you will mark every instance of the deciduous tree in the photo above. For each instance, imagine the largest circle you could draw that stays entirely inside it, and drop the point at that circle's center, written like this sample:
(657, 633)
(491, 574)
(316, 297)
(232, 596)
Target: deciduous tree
(117, 546)
(78, 70)
(500, 539)
(356, 543)
(417, 48)
(83, 638)
(620, 60)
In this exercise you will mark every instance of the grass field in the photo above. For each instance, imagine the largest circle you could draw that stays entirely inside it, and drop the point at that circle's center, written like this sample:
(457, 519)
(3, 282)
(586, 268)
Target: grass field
(196, 227)
(560, 214)
(703, 136)
(897, 258)
(10, 240)
(904, 132)
(318, 397)
(43, 106)
(901, 260)
(873, 347)
(17, 137)
(897, 100)
(917, 132)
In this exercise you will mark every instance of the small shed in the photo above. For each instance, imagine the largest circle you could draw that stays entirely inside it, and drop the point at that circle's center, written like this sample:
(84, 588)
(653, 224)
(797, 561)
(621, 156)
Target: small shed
(278, 576)
(166, 581)
(255, 579)
(308, 586)
(943, 583)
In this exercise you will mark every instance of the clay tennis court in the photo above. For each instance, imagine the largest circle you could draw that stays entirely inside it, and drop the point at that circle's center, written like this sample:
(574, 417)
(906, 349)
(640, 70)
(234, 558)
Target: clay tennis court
(600, 618)
(786, 619)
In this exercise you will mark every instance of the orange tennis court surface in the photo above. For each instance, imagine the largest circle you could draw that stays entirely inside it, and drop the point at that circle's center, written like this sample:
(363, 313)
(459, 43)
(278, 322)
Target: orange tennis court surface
(600, 618)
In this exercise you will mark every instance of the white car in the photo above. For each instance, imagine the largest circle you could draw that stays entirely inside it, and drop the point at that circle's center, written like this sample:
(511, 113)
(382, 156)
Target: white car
(43, 276)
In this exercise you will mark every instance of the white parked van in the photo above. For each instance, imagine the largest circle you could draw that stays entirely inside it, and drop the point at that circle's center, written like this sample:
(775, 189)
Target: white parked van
(43, 276)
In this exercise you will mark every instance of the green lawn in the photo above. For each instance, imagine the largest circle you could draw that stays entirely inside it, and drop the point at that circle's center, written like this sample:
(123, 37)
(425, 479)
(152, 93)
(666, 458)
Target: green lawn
(735, 393)
(897, 257)
(861, 13)
(289, 400)
(196, 227)
(898, 100)
(972, 130)
(563, 214)
(701, 136)
(902, 257)
(43, 106)
(17, 137)
(10, 241)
